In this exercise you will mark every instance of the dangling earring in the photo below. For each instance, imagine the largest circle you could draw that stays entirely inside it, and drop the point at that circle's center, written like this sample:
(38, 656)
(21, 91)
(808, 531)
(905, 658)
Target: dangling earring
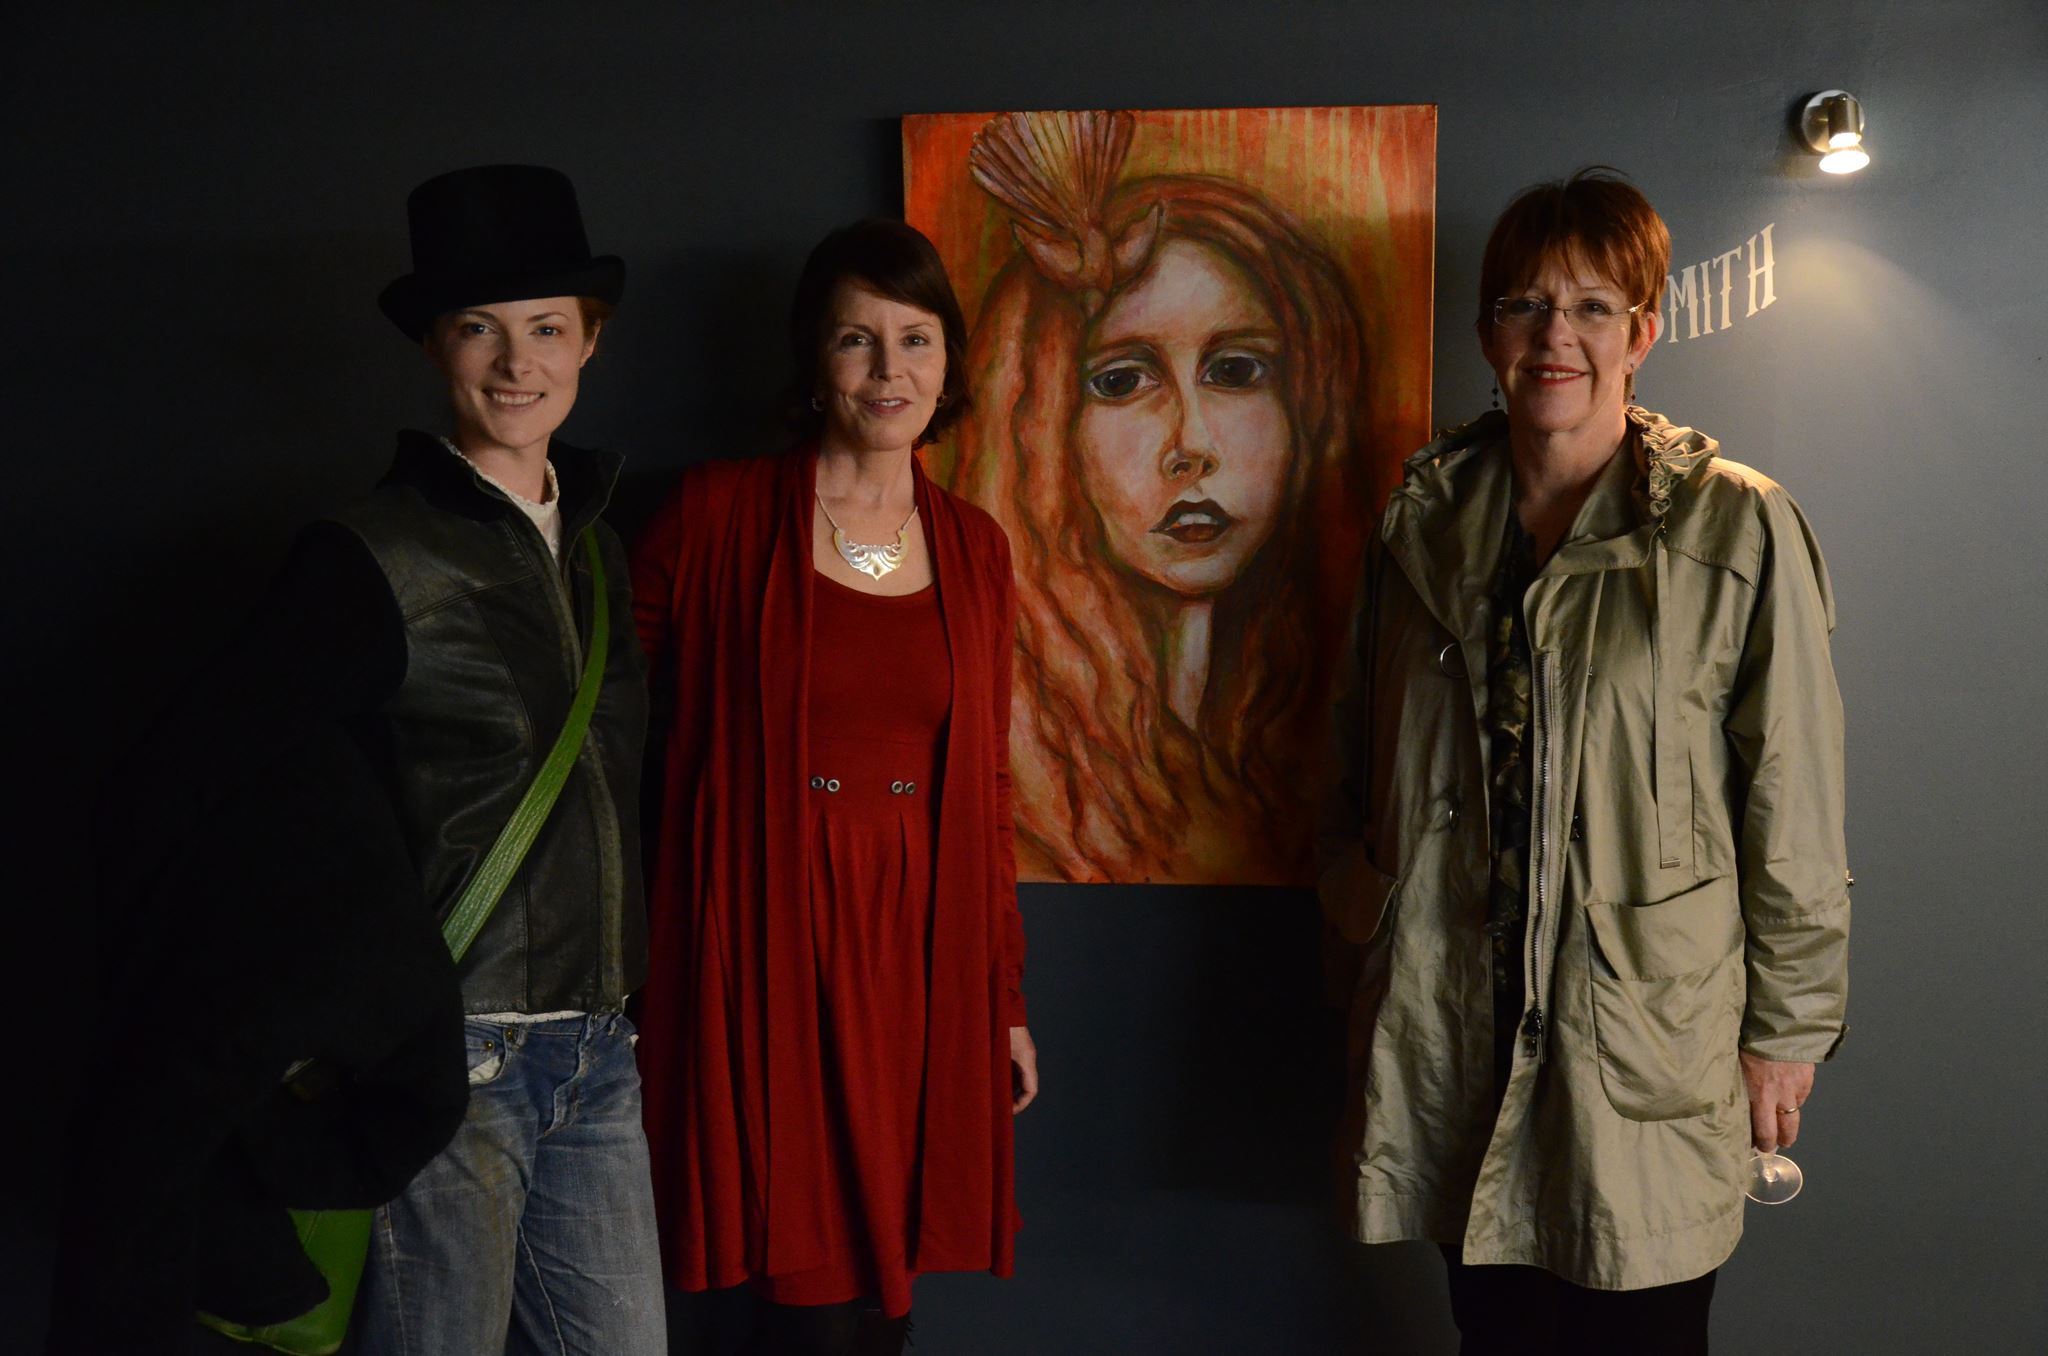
(1628, 388)
(941, 400)
(1496, 395)
(817, 404)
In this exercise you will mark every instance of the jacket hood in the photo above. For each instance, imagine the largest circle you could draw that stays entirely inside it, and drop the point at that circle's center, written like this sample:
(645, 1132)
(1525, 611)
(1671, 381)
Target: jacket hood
(1443, 522)
(1671, 453)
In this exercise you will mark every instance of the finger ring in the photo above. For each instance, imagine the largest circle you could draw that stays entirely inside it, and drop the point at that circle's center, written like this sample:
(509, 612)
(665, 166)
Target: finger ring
(1788, 1111)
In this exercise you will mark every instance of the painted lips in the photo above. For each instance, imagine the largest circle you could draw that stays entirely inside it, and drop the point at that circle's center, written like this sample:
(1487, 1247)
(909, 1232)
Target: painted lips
(1193, 522)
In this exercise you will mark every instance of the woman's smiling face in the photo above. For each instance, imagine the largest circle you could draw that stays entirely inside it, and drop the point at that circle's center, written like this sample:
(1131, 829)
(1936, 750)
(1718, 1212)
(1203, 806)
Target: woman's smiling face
(1555, 380)
(512, 369)
(882, 370)
(1183, 434)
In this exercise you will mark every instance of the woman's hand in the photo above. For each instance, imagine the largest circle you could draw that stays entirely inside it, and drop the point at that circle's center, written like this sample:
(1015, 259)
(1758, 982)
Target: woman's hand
(1775, 1087)
(1023, 1069)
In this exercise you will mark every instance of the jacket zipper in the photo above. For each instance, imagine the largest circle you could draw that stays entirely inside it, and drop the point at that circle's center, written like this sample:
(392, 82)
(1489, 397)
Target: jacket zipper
(1539, 859)
(562, 571)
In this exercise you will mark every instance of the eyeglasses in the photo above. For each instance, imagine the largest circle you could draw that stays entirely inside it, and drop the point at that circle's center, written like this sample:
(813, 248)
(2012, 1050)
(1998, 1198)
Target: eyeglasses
(1588, 317)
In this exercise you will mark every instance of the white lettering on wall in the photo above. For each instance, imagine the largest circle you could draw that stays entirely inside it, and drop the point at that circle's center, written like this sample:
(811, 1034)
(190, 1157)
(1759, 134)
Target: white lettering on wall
(1762, 270)
(1694, 289)
(1689, 299)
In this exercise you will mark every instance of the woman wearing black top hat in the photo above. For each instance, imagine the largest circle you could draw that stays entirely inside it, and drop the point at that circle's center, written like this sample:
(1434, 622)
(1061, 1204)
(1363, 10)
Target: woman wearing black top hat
(535, 1228)
(441, 623)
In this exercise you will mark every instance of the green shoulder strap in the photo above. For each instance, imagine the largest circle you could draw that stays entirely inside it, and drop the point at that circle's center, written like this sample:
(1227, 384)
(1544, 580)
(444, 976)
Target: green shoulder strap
(498, 867)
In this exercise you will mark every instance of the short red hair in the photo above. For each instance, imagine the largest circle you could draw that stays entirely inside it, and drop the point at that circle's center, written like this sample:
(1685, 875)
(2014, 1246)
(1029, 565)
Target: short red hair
(1595, 221)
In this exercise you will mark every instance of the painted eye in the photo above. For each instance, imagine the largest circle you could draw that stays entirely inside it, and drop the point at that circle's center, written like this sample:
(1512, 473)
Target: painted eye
(852, 340)
(1522, 308)
(1597, 310)
(916, 339)
(1119, 383)
(1235, 371)
(549, 331)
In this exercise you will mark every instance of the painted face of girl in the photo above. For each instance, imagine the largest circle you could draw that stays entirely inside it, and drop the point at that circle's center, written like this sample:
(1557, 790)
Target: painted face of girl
(1183, 434)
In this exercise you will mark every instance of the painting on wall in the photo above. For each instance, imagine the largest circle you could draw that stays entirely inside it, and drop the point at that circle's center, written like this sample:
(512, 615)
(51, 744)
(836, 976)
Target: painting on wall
(1200, 348)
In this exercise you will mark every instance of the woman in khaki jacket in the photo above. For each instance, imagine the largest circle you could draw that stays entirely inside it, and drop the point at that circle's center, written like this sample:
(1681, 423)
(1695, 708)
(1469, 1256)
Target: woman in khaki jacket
(1588, 842)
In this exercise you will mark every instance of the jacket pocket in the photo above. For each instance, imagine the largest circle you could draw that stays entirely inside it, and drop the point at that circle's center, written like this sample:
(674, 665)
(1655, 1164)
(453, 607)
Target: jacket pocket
(1356, 895)
(1667, 1004)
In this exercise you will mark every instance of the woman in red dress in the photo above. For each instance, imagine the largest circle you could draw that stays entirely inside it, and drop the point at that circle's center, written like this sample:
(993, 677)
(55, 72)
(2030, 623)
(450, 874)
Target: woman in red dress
(833, 1032)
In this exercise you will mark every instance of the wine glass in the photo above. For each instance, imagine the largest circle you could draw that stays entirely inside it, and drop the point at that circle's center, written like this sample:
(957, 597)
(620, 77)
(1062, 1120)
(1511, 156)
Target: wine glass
(1773, 1179)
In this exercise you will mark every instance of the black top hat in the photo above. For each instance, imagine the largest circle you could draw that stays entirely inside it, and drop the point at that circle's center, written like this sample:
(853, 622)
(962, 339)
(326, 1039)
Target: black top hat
(496, 233)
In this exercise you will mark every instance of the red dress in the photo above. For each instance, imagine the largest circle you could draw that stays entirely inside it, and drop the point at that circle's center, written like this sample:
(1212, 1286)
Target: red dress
(751, 1109)
(881, 684)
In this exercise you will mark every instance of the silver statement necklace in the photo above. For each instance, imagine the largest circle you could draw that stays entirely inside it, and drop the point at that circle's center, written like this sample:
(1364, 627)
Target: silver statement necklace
(875, 560)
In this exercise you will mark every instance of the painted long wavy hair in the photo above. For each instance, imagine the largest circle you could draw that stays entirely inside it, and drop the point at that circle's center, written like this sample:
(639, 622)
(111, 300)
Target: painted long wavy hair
(1105, 769)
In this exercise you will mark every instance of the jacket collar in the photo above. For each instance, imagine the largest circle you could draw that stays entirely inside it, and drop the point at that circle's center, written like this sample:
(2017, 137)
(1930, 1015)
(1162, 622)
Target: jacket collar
(1631, 503)
(1444, 521)
(584, 477)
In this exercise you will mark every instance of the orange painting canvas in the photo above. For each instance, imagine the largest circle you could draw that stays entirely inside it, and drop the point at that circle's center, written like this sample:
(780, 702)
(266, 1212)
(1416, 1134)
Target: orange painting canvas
(1200, 348)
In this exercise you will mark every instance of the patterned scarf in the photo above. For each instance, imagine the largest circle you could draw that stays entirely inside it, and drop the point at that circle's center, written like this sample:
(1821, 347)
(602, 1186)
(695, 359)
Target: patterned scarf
(1507, 722)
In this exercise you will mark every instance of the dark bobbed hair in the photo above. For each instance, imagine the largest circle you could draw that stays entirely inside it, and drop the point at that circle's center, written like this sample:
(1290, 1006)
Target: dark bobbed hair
(1595, 220)
(895, 260)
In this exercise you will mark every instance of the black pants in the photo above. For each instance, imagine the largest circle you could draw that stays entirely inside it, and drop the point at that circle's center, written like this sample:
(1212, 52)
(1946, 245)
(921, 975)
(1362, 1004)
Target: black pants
(737, 1322)
(1528, 1311)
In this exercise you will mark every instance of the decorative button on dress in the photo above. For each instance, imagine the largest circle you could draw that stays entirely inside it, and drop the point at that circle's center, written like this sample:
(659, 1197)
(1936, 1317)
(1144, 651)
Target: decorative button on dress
(881, 684)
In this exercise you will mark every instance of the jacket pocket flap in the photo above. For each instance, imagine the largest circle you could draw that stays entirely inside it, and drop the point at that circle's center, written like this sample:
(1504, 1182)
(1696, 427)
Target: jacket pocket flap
(1675, 936)
(1355, 895)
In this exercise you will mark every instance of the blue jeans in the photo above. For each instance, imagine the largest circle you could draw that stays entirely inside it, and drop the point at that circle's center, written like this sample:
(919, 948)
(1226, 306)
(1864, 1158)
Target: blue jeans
(533, 1232)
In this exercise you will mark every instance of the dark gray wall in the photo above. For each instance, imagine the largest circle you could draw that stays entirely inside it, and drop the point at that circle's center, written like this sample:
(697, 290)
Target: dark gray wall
(203, 203)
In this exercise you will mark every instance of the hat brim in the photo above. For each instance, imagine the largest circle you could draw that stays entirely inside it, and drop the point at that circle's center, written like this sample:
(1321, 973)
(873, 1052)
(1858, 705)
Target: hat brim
(412, 303)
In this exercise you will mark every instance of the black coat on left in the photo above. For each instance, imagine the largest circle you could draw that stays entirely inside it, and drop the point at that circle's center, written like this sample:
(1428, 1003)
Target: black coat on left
(286, 922)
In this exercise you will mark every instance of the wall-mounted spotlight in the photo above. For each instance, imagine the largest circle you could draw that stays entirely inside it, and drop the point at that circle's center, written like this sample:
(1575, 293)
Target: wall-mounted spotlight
(1832, 123)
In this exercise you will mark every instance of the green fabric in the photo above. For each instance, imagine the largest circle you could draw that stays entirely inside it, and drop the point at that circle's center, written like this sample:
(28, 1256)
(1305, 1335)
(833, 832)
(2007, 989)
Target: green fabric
(338, 1241)
(1683, 708)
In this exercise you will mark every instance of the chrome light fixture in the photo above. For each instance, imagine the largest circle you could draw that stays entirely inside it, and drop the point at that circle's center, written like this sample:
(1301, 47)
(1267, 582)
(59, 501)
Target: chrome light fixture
(1832, 123)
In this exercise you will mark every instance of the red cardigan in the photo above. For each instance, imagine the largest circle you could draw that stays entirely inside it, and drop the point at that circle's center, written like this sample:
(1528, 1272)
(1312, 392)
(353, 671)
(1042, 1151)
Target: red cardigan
(729, 1048)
